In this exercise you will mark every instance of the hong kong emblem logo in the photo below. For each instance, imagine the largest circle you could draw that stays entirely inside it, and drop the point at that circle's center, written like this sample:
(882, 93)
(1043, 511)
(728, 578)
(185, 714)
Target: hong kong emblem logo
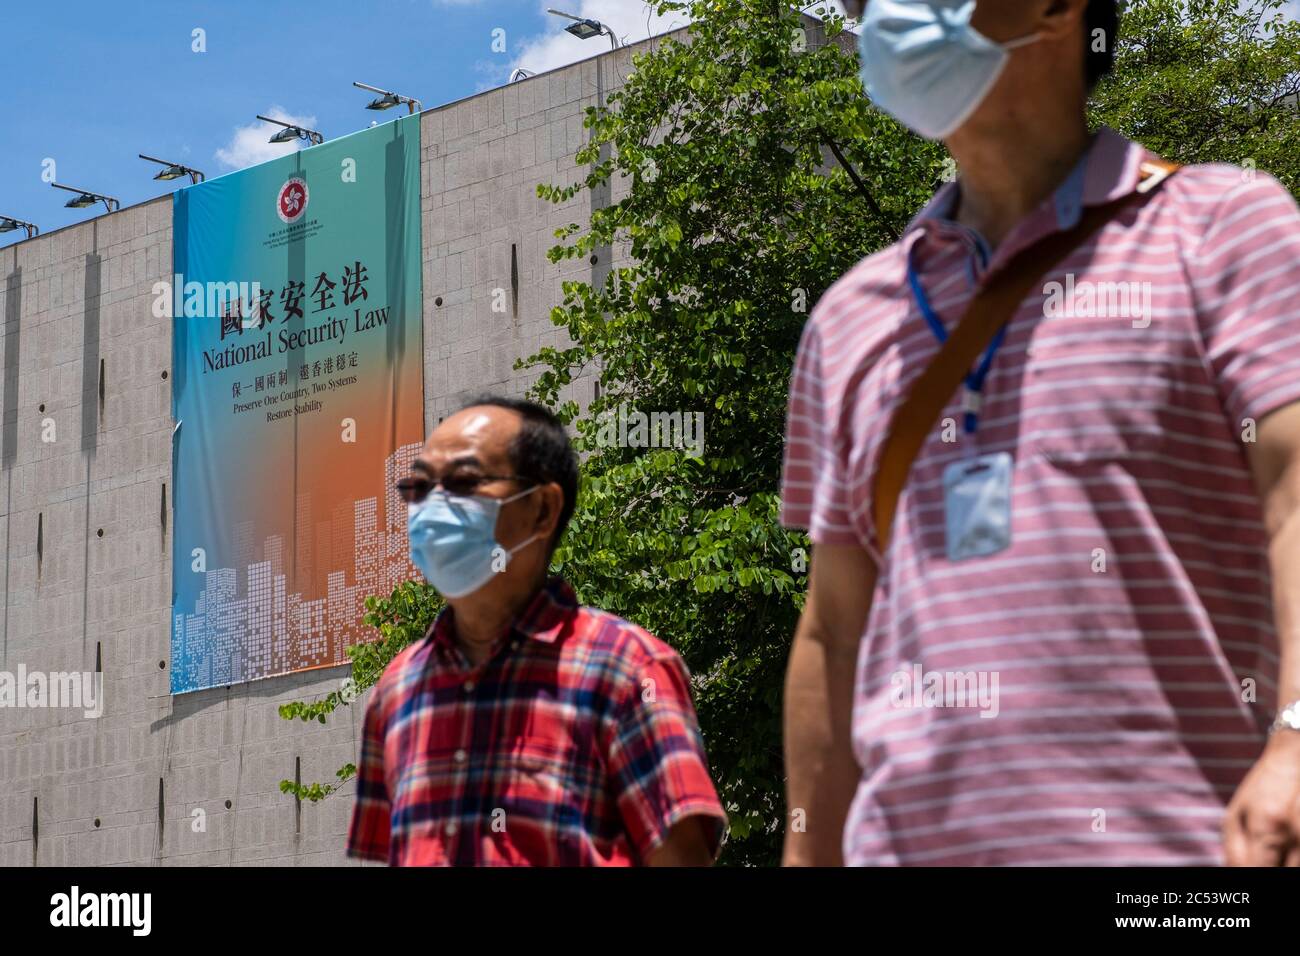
(292, 201)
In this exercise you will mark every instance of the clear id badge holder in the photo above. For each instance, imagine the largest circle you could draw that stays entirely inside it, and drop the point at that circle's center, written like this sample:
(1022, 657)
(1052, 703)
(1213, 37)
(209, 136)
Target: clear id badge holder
(977, 503)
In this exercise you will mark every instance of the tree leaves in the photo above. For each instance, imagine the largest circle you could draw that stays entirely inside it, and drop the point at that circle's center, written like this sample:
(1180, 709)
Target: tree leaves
(1201, 81)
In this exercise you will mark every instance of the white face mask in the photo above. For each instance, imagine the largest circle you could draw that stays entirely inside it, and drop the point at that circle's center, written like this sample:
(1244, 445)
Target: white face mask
(924, 64)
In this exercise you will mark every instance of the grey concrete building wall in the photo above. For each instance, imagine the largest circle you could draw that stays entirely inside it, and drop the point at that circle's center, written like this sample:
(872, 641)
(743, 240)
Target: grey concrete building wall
(86, 563)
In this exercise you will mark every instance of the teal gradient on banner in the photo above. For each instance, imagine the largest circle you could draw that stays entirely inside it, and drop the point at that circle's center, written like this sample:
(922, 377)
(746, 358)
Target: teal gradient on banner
(291, 427)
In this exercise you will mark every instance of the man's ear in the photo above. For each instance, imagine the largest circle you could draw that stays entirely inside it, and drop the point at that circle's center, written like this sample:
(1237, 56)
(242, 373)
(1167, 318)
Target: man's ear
(550, 497)
(1060, 18)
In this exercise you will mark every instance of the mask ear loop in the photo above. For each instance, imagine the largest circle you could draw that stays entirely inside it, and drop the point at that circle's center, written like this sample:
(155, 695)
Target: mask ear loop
(529, 540)
(523, 544)
(516, 497)
(1022, 41)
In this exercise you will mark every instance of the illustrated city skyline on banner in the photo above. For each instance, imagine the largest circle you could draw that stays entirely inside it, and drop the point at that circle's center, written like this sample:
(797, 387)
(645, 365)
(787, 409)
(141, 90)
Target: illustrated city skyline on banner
(251, 623)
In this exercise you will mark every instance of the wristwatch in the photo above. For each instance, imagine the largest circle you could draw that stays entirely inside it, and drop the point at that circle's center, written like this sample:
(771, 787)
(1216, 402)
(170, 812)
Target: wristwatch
(1288, 717)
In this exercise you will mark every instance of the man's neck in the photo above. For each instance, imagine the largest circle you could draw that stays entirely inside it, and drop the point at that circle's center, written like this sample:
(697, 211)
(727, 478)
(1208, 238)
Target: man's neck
(479, 622)
(1008, 169)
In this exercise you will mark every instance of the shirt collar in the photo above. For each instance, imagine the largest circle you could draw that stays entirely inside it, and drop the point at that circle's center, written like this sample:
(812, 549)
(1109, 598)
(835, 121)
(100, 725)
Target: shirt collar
(542, 619)
(549, 611)
(1109, 169)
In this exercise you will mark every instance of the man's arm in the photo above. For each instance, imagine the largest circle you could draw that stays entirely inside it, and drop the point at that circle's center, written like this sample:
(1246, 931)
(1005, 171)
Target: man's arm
(1262, 824)
(658, 770)
(688, 843)
(821, 770)
(369, 834)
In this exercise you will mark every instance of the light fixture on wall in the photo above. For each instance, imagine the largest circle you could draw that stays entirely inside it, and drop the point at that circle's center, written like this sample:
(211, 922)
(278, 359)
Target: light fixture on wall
(174, 170)
(520, 74)
(86, 198)
(389, 99)
(292, 132)
(585, 28)
(9, 224)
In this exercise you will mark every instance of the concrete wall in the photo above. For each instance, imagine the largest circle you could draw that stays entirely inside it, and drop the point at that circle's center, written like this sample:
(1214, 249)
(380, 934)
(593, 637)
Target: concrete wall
(124, 788)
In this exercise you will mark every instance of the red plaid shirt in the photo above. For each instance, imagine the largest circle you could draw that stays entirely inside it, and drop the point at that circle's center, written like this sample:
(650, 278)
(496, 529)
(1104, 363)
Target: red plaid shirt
(574, 743)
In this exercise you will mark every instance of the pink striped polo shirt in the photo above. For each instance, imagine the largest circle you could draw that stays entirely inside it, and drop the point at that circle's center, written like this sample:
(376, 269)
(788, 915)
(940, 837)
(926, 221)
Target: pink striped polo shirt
(1094, 693)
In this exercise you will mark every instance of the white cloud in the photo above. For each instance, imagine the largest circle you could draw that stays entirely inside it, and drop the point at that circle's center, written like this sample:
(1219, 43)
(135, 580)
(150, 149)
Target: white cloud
(248, 145)
(630, 20)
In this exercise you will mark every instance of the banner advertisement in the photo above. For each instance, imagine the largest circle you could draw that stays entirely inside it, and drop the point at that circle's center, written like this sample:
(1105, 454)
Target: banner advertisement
(298, 397)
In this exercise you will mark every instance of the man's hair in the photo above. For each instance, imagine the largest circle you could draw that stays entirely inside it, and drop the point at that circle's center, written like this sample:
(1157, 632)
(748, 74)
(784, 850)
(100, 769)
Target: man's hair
(1100, 15)
(541, 452)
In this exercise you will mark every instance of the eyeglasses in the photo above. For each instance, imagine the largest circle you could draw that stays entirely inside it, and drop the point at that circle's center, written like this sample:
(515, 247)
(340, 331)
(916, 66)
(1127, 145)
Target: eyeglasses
(413, 489)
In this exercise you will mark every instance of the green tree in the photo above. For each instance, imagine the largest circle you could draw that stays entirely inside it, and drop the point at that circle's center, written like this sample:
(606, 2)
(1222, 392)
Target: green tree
(1202, 81)
(737, 217)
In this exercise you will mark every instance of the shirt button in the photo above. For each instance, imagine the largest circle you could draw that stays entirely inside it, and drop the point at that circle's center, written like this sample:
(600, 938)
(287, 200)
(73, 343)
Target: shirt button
(460, 756)
(451, 828)
(469, 686)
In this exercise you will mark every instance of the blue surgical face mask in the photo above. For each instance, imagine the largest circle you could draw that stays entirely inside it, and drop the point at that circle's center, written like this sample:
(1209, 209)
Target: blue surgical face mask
(453, 540)
(923, 63)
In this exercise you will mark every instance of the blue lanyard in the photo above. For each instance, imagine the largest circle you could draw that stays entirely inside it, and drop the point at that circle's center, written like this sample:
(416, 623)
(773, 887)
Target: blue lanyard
(974, 378)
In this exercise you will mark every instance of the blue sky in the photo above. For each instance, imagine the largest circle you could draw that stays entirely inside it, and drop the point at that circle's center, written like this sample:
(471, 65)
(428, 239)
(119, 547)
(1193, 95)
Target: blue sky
(92, 84)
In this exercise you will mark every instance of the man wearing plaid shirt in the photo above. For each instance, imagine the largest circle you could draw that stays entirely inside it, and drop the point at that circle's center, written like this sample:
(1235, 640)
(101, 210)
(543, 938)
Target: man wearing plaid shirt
(523, 729)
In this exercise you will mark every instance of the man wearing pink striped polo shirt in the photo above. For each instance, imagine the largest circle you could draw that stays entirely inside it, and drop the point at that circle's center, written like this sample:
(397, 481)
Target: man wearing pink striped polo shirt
(1107, 673)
